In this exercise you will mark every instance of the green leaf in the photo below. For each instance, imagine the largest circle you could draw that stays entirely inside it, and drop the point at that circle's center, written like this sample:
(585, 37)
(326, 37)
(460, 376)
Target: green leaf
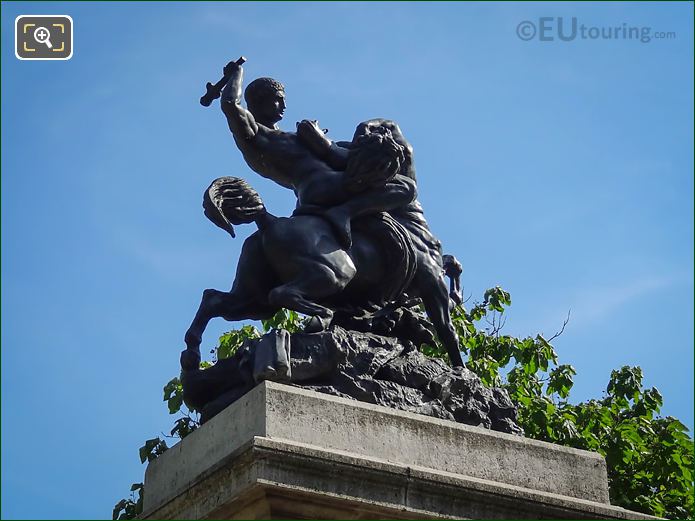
(560, 380)
(625, 382)
(120, 506)
(183, 427)
(151, 449)
(284, 319)
(171, 388)
(175, 403)
(231, 341)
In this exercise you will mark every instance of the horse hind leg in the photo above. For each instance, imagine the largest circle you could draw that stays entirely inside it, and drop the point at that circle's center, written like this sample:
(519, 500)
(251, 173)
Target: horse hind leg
(314, 282)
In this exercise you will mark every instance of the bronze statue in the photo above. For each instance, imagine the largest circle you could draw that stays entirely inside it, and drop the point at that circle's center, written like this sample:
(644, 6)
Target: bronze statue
(357, 240)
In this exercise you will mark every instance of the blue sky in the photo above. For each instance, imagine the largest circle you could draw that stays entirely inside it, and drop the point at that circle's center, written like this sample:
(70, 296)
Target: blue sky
(562, 171)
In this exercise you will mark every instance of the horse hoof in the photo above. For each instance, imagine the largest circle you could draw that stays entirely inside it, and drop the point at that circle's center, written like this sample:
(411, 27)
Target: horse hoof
(283, 372)
(267, 373)
(317, 324)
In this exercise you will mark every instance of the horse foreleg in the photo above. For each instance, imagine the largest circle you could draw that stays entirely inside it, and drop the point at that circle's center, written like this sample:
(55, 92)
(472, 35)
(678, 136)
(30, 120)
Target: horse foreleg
(435, 298)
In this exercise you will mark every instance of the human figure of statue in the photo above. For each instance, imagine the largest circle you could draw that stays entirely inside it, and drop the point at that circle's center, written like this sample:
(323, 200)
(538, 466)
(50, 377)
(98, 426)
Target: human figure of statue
(285, 158)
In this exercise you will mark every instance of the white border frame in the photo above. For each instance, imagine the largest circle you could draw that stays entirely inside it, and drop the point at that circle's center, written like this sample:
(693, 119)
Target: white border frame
(16, 37)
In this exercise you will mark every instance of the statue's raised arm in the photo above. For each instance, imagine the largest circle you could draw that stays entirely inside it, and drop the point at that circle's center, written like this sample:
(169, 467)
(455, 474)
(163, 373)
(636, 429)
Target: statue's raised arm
(268, 151)
(241, 122)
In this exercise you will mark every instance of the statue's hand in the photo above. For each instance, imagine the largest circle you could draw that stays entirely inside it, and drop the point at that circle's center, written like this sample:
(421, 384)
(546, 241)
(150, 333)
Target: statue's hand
(309, 129)
(311, 135)
(230, 68)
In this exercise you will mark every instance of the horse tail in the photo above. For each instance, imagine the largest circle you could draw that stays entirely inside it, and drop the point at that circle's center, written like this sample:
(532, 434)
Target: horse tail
(231, 200)
(453, 270)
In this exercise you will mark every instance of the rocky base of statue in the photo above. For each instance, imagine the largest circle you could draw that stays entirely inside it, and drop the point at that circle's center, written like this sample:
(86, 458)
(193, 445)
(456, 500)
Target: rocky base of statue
(362, 366)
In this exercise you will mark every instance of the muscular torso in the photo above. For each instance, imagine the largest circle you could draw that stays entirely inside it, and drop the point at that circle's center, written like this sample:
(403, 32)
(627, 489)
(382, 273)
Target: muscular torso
(280, 156)
(275, 154)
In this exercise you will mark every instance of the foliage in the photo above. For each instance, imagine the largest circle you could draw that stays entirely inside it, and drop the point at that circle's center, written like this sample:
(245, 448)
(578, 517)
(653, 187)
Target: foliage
(649, 458)
(233, 340)
(173, 395)
(152, 448)
(284, 319)
(130, 508)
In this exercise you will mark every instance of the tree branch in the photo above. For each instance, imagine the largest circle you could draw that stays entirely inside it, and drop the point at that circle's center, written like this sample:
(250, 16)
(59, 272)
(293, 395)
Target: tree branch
(562, 330)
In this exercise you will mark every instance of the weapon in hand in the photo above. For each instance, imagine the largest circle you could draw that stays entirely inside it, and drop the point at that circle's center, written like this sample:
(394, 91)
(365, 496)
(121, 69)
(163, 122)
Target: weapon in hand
(214, 91)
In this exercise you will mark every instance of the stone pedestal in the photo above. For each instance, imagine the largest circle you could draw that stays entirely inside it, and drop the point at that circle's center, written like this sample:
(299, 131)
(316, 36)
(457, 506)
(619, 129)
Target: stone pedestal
(285, 452)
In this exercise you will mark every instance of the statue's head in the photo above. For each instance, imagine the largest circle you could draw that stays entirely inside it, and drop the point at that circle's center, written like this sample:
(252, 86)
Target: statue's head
(265, 98)
(374, 159)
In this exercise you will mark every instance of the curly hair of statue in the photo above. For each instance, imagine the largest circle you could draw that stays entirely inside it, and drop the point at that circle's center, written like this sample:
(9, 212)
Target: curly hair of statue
(260, 88)
(376, 159)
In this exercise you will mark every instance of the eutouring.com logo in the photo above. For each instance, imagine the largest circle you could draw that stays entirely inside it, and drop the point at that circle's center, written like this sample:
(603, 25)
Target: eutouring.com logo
(563, 29)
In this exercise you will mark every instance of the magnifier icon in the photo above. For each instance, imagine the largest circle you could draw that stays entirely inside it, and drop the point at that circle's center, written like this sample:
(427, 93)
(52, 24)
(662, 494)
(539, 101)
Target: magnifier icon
(43, 35)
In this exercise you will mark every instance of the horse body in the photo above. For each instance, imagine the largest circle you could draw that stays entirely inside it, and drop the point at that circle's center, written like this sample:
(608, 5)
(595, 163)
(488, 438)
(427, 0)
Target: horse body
(297, 263)
(305, 247)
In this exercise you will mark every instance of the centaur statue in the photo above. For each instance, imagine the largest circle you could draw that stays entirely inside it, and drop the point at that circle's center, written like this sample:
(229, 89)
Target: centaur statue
(357, 240)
